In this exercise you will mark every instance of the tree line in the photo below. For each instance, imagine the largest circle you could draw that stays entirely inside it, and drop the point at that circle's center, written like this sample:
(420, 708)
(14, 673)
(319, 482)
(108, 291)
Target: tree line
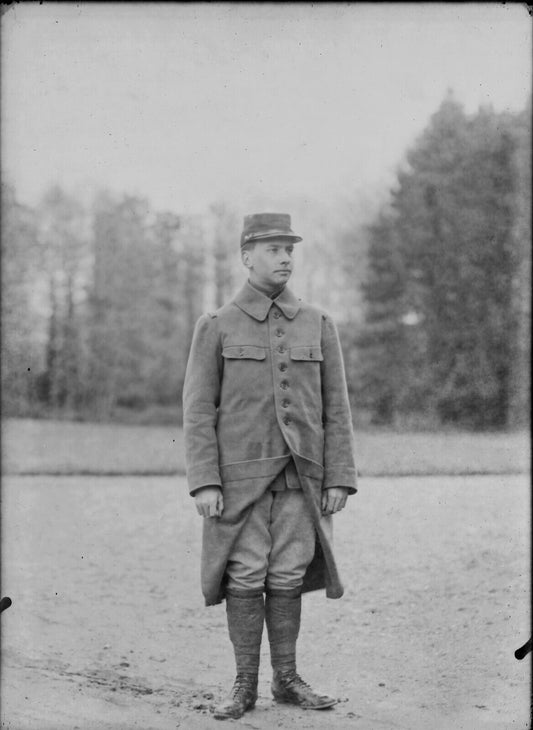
(432, 295)
(448, 286)
(98, 305)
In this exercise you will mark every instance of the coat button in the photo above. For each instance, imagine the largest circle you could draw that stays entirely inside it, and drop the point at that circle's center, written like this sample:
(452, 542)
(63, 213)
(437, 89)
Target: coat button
(279, 333)
(281, 348)
(284, 385)
(277, 315)
(286, 420)
(282, 366)
(285, 403)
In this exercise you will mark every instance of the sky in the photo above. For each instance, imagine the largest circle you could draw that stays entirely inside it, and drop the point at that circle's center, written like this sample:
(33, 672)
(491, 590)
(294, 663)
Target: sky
(190, 103)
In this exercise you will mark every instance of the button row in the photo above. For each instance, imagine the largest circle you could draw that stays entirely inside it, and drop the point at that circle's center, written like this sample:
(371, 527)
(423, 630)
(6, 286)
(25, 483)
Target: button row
(282, 366)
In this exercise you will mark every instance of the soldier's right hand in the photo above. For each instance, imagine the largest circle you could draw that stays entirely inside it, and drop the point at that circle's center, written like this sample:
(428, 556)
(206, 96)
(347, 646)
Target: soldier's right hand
(209, 501)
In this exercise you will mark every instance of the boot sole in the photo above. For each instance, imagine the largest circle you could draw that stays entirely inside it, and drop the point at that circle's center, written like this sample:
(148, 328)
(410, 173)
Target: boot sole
(231, 716)
(281, 699)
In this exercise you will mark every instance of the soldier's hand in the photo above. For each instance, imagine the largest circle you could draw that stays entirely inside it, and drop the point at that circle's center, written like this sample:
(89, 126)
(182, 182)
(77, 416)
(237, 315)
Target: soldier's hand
(334, 499)
(209, 502)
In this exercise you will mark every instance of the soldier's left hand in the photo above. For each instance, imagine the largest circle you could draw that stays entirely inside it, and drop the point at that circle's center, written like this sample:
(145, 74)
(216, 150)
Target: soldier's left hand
(334, 499)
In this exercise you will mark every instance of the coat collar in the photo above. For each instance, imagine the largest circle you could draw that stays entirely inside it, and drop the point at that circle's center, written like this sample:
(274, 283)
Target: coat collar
(257, 304)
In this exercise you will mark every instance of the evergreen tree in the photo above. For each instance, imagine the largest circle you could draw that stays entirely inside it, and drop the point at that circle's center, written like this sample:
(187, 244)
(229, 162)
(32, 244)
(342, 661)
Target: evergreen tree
(455, 236)
(519, 406)
(382, 340)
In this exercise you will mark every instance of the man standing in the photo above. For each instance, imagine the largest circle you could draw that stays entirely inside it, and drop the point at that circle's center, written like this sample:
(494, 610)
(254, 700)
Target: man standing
(269, 450)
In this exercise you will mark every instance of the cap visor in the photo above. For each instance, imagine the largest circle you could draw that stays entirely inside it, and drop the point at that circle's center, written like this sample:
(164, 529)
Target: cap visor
(273, 234)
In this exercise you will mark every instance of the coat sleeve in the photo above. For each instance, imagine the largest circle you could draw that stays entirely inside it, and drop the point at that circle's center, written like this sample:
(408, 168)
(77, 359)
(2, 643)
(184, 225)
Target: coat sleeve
(339, 461)
(201, 395)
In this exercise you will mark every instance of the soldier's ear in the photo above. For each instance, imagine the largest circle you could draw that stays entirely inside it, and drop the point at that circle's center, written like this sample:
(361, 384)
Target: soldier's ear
(246, 259)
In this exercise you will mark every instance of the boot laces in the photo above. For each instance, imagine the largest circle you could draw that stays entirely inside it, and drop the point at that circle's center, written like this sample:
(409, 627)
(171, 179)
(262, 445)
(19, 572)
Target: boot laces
(294, 680)
(300, 682)
(241, 686)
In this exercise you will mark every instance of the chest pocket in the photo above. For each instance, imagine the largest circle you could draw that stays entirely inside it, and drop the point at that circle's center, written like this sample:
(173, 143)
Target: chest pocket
(244, 352)
(311, 353)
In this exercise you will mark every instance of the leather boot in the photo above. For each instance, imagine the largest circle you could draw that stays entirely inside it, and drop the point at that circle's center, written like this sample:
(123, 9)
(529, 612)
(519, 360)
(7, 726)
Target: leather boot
(242, 697)
(289, 687)
(282, 612)
(245, 612)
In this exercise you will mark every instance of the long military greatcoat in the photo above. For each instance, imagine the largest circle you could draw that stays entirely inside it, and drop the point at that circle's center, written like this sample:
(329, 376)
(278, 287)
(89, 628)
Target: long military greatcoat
(265, 382)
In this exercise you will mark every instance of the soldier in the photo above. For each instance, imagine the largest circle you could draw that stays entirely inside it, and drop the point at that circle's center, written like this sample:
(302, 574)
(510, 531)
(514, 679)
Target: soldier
(269, 449)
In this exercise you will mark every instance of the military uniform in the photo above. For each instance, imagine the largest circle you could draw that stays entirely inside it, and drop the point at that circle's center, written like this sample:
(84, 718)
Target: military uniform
(267, 419)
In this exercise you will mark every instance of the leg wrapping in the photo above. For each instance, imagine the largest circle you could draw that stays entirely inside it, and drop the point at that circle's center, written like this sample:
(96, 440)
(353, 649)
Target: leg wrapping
(282, 613)
(245, 612)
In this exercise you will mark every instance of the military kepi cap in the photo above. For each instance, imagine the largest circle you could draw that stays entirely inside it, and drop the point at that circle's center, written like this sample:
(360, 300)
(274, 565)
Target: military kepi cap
(261, 226)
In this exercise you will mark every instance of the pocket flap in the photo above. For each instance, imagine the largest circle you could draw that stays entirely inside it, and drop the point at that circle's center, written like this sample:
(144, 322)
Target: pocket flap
(312, 353)
(244, 352)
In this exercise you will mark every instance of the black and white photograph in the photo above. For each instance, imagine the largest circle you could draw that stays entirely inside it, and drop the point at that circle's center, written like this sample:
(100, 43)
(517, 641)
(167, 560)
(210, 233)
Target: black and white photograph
(265, 366)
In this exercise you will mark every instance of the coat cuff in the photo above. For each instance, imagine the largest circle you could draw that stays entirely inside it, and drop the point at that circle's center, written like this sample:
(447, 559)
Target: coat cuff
(341, 476)
(199, 478)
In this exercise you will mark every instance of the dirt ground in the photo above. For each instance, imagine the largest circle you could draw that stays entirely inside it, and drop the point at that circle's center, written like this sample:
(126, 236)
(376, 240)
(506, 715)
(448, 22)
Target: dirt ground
(108, 627)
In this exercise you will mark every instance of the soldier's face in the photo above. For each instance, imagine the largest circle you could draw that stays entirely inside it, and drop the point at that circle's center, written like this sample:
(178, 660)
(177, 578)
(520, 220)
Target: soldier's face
(269, 262)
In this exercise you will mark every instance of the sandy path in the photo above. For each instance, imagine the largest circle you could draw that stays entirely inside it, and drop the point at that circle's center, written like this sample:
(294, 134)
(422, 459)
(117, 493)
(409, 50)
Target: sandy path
(108, 629)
